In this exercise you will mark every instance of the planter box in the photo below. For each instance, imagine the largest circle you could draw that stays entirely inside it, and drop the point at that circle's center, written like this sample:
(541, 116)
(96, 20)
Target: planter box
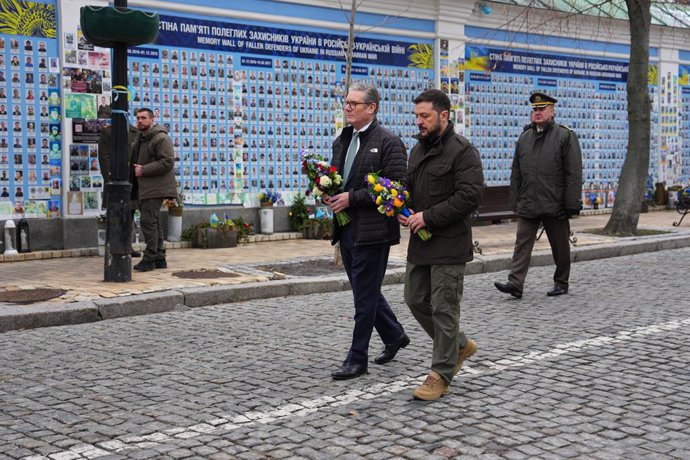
(210, 238)
(318, 229)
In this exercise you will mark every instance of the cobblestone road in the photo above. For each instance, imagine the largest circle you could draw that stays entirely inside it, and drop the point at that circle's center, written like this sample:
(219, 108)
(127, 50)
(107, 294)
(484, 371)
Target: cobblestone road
(601, 373)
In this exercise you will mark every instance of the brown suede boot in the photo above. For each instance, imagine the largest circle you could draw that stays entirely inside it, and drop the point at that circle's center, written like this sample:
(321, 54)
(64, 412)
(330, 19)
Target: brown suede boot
(464, 353)
(433, 388)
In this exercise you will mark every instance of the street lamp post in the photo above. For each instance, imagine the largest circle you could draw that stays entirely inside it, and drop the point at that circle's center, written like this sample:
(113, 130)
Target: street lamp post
(118, 240)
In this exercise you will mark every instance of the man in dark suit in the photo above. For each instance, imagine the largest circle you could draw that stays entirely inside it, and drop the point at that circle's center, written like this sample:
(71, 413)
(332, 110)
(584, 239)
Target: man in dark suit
(365, 241)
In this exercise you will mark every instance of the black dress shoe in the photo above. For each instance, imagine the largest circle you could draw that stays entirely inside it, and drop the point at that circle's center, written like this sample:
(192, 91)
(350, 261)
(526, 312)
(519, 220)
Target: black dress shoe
(557, 290)
(136, 254)
(145, 266)
(508, 289)
(349, 371)
(161, 263)
(392, 349)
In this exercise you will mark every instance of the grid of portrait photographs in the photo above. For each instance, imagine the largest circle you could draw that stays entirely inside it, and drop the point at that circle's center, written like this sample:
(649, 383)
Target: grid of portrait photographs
(685, 135)
(86, 84)
(30, 181)
(398, 89)
(240, 128)
(498, 110)
(670, 165)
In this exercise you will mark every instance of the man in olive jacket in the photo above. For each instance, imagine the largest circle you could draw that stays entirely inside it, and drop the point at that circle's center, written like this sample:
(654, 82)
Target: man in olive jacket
(545, 188)
(445, 181)
(153, 180)
(361, 148)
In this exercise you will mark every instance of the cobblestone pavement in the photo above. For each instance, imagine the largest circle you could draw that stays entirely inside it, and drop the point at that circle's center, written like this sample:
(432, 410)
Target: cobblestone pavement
(601, 373)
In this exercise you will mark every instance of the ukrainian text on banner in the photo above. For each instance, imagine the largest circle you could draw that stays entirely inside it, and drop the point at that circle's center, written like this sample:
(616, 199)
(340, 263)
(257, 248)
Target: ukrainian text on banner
(520, 62)
(31, 19)
(242, 38)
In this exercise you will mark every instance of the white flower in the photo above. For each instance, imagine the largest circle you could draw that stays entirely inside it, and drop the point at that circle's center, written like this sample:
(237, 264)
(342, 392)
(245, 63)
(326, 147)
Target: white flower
(325, 181)
(317, 192)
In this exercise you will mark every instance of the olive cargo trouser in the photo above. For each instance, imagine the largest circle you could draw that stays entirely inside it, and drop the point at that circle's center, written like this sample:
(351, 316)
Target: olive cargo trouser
(433, 293)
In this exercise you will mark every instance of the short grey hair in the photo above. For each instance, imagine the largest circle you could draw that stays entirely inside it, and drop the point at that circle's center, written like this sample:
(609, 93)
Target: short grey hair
(371, 94)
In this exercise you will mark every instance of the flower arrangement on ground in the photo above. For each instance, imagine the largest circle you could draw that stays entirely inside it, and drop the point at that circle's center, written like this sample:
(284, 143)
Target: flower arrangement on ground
(244, 229)
(268, 198)
(224, 225)
(391, 198)
(323, 179)
(594, 199)
(174, 205)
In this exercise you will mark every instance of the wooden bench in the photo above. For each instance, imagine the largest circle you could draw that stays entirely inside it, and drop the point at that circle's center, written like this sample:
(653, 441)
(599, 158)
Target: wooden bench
(494, 208)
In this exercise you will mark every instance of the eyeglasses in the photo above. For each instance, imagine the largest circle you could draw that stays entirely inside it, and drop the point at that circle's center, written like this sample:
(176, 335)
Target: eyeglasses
(353, 104)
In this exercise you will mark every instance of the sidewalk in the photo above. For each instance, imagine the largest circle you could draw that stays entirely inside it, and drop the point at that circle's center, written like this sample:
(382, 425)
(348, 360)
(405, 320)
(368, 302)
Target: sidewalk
(88, 298)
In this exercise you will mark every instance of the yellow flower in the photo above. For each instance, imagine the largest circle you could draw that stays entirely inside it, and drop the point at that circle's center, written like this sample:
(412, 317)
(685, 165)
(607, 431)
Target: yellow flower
(378, 188)
(394, 192)
(378, 199)
(390, 213)
(371, 179)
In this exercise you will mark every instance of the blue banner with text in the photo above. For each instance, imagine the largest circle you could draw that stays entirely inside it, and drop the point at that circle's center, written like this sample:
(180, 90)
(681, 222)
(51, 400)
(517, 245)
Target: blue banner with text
(252, 39)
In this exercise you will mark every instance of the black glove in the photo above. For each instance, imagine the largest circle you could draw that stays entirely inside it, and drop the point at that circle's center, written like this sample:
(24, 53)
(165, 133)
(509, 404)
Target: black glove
(562, 214)
(572, 212)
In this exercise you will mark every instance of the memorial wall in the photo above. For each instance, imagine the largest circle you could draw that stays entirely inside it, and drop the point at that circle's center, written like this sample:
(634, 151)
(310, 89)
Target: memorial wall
(243, 99)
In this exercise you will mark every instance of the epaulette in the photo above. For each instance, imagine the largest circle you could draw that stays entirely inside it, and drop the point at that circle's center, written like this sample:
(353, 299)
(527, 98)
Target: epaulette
(526, 127)
(565, 126)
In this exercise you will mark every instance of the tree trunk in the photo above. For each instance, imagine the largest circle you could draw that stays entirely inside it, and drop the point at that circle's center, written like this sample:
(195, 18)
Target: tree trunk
(626, 209)
(350, 48)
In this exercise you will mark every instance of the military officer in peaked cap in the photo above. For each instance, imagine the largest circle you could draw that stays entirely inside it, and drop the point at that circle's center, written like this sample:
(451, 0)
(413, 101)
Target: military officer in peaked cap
(545, 188)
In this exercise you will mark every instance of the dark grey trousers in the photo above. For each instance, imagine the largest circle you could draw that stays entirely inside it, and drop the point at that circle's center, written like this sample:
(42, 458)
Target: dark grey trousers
(152, 229)
(557, 230)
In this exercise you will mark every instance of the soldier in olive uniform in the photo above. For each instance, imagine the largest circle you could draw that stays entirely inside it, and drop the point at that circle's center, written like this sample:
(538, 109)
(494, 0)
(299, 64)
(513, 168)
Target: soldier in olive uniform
(545, 188)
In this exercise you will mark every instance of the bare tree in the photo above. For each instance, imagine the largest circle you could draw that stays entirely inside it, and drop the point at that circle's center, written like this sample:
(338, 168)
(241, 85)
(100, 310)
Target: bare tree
(350, 47)
(631, 185)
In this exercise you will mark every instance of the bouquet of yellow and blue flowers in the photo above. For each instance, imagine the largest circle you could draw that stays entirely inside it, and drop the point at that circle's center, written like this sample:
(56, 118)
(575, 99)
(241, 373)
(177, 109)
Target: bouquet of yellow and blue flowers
(268, 198)
(391, 198)
(323, 179)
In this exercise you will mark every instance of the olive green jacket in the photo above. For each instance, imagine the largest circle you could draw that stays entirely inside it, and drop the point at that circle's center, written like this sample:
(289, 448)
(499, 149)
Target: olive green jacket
(153, 150)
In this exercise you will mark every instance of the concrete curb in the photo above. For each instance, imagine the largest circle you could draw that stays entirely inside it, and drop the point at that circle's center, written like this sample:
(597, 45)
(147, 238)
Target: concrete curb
(142, 304)
(44, 314)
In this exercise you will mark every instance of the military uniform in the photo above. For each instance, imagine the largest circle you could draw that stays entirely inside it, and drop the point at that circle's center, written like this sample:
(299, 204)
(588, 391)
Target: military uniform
(545, 188)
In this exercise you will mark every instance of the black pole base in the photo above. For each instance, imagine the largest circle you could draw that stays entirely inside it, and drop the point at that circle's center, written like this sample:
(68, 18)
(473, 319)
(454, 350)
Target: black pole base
(118, 246)
(118, 269)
